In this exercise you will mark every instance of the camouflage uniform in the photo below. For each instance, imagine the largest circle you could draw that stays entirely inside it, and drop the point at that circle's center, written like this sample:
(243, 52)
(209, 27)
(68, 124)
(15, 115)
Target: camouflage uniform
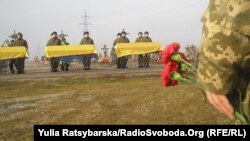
(140, 58)
(224, 58)
(122, 61)
(87, 58)
(146, 58)
(112, 54)
(20, 62)
(54, 61)
(12, 61)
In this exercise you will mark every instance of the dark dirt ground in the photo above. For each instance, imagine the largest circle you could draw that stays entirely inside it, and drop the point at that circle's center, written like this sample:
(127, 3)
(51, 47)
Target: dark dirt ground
(102, 95)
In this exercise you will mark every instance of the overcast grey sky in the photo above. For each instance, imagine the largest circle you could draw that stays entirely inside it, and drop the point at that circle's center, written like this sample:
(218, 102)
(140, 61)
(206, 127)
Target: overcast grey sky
(166, 20)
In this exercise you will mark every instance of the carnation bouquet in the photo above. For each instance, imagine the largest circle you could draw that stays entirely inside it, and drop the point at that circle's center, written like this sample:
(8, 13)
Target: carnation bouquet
(176, 66)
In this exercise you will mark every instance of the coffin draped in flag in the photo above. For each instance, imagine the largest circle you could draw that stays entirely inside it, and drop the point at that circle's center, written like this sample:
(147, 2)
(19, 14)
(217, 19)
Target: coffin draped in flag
(13, 52)
(124, 49)
(69, 50)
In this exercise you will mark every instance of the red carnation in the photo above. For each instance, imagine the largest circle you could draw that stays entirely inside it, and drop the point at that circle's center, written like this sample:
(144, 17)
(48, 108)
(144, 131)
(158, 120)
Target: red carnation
(166, 81)
(170, 65)
(168, 51)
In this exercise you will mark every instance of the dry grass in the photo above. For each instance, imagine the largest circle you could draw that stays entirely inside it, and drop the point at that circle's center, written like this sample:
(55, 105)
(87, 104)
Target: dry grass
(105, 100)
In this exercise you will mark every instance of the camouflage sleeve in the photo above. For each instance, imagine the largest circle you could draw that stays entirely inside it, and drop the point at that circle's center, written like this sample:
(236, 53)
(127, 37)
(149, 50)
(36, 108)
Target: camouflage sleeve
(238, 16)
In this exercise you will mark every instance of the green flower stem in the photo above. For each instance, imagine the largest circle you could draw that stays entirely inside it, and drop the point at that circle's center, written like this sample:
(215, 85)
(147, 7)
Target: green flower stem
(239, 115)
(176, 57)
(193, 71)
(241, 118)
(240, 108)
(178, 77)
(203, 92)
(190, 78)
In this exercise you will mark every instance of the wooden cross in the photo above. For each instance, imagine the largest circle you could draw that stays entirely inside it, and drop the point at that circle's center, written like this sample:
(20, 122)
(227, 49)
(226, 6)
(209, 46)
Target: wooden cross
(13, 36)
(105, 50)
(62, 35)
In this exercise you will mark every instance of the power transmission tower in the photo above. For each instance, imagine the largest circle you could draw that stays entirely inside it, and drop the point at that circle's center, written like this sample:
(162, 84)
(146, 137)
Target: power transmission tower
(85, 22)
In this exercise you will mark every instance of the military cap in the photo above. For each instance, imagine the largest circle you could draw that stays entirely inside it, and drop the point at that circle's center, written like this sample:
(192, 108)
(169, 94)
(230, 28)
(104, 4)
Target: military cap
(146, 32)
(124, 32)
(53, 33)
(118, 34)
(139, 33)
(86, 32)
(19, 33)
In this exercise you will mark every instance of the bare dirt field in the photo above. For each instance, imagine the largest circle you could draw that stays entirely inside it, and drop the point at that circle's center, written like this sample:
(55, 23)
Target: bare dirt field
(102, 95)
(42, 71)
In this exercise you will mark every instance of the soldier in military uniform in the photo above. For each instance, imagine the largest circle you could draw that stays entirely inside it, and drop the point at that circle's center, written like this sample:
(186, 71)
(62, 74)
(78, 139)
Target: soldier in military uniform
(113, 54)
(54, 41)
(20, 62)
(224, 58)
(86, 40)
(139, 40)
(146, 58)
(122, 61)
(12, 61)
(117, 39)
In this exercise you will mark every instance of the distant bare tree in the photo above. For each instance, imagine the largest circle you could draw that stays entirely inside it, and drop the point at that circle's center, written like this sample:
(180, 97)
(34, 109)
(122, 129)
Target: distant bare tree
(192, 53)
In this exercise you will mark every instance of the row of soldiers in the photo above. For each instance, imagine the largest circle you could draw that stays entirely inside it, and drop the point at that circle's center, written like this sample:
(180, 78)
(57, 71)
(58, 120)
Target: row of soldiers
(54, 61)
(143, 59)
(19, 63)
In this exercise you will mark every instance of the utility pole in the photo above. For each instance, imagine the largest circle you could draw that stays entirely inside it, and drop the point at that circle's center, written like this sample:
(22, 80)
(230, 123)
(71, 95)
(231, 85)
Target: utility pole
(85, 22)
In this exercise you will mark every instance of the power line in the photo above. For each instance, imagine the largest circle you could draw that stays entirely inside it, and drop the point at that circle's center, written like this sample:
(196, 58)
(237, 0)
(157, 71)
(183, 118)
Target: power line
(85, 22)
